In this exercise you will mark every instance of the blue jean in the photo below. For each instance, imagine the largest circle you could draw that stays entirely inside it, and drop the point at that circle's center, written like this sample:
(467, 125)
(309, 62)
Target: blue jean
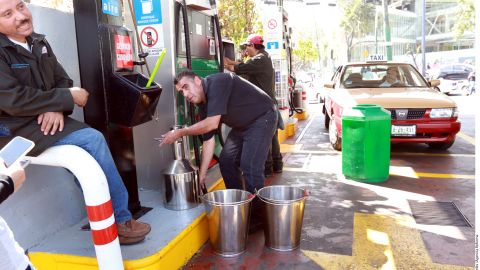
(245, 152)
(92, 141)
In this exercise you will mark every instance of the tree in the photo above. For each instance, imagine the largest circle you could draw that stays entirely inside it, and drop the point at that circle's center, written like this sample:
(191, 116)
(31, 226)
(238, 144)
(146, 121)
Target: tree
(357, 21)
(465, 20)
(304, 54)
(238, 19)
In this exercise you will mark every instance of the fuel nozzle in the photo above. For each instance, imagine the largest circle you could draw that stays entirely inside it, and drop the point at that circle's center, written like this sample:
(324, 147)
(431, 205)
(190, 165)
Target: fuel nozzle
(141, 56)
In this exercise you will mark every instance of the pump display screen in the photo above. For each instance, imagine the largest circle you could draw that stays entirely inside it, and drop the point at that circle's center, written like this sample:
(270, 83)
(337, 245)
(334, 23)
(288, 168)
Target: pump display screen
(123, 52)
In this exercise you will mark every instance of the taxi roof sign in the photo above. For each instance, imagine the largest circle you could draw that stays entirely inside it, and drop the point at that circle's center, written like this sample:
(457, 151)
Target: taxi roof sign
(376, 58)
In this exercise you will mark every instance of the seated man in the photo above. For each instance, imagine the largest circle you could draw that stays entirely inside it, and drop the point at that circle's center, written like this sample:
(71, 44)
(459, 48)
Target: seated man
(36, 95)
(392, 77)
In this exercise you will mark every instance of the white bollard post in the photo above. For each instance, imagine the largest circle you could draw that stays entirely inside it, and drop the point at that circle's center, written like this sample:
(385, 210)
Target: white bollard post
(97, 199)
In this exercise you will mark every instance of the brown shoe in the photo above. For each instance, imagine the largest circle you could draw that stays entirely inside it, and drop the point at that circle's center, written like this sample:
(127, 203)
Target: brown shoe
(133, 229)
(130, 240)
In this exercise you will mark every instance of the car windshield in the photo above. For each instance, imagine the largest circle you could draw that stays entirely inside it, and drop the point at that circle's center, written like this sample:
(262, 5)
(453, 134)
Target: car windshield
(381, 76)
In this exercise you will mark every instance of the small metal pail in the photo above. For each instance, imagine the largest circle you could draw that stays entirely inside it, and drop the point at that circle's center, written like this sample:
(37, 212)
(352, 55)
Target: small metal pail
(228, 214)
(284, 207)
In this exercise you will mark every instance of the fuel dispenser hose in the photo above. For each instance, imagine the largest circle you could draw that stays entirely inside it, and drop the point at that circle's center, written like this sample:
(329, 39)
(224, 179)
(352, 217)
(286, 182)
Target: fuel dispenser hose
(290, 102)
(183, 9)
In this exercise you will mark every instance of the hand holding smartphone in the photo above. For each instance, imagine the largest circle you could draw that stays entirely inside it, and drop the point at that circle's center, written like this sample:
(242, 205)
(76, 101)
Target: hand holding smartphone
(15, 151)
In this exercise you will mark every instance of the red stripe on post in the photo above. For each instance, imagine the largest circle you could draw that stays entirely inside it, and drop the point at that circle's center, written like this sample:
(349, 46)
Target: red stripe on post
(105, 236)
(100, 212)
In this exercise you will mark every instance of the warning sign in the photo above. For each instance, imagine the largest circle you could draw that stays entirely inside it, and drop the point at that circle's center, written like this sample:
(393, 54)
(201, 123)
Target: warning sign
(149, 36)
(123, 51)
(148, 15)
(272, 24)
(273, 32)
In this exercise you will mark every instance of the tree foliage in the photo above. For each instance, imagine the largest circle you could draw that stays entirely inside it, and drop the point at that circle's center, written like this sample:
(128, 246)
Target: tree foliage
(358, 20)
(238, 19)
(465, 18)
(304, 54)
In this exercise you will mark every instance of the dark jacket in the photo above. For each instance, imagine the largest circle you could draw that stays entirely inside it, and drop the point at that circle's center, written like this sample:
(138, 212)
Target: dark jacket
(260, 72)
(31, 84)
(6, 187)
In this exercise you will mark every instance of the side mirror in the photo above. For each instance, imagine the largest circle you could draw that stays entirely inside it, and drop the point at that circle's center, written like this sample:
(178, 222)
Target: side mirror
(434, 83)
(329, 85)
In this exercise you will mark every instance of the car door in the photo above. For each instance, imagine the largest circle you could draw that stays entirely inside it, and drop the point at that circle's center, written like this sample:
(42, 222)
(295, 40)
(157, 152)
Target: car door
(328, 91)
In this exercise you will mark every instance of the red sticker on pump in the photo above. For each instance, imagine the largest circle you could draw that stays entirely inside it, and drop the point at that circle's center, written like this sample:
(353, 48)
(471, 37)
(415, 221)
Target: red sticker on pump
(123, 51)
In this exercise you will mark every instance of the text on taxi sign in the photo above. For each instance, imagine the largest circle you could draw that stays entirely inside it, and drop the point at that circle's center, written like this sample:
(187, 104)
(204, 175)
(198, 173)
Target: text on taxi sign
(376, 57)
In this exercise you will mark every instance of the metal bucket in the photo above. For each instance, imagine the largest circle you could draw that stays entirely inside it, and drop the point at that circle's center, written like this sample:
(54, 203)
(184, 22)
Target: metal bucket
(181, 186)
(284, 206)
(228, 214)
(181, 178)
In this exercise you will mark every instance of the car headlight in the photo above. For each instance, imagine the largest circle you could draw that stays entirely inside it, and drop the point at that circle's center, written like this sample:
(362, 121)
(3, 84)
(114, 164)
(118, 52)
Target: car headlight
(443, 113)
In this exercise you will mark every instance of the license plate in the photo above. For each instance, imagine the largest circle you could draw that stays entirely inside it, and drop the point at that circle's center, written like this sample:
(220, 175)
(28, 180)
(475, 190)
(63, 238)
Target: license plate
(404, 130)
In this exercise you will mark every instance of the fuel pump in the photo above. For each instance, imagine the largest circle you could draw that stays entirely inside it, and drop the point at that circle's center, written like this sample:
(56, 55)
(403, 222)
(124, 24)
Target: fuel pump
(119, 99)
(199, 48)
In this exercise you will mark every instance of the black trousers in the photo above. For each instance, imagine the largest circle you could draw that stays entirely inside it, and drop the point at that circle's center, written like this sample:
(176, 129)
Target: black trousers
(274, 159)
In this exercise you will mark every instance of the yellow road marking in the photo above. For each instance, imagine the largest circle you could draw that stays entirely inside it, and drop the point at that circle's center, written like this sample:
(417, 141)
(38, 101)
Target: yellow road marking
(382, 242)
(411, 173)
(445, 175)
(288, 148)
(431, 154)
(466, 137)
(394, 171)
(296, 148)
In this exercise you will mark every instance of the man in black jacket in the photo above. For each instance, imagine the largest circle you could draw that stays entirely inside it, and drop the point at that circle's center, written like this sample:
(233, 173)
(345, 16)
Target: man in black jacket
(259, 71)
(36, 97)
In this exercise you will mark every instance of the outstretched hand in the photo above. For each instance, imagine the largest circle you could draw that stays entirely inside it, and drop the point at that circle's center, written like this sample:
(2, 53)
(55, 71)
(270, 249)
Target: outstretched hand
(169, 137)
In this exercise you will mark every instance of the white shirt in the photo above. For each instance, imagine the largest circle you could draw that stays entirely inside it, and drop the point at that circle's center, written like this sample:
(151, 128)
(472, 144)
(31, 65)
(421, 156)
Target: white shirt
(24, 45)
(12, 256)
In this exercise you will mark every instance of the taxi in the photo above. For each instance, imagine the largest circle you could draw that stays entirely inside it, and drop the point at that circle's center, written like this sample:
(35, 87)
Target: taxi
(420, 114)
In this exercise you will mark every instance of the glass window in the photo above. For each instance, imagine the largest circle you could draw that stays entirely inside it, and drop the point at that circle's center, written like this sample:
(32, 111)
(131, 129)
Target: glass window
(381, 76)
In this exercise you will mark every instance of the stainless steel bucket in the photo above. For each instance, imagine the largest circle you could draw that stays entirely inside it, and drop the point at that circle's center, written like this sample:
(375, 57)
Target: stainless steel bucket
(181, 178)
(284, 207)
(228, 214)
(181, 186)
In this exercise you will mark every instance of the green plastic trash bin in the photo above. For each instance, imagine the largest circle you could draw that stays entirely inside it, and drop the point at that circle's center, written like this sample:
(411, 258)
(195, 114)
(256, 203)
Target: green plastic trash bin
(366, 143)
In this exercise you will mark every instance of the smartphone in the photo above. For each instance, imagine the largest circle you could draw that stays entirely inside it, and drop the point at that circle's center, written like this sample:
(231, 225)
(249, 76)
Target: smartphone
(15, 150)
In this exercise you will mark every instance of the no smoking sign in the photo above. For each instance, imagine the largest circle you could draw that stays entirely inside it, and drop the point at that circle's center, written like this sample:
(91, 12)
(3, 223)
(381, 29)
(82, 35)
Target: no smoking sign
(272, 24)
(149, 36)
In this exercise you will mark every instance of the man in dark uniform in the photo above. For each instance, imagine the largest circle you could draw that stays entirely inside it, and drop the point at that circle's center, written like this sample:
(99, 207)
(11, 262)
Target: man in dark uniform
(36, 97)
(259, 71)
(229, 99)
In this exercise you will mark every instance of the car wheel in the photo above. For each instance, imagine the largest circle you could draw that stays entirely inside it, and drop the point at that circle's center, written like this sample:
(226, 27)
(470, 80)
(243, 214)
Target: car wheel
(441, 145)
(335, 140)
(326, 119)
